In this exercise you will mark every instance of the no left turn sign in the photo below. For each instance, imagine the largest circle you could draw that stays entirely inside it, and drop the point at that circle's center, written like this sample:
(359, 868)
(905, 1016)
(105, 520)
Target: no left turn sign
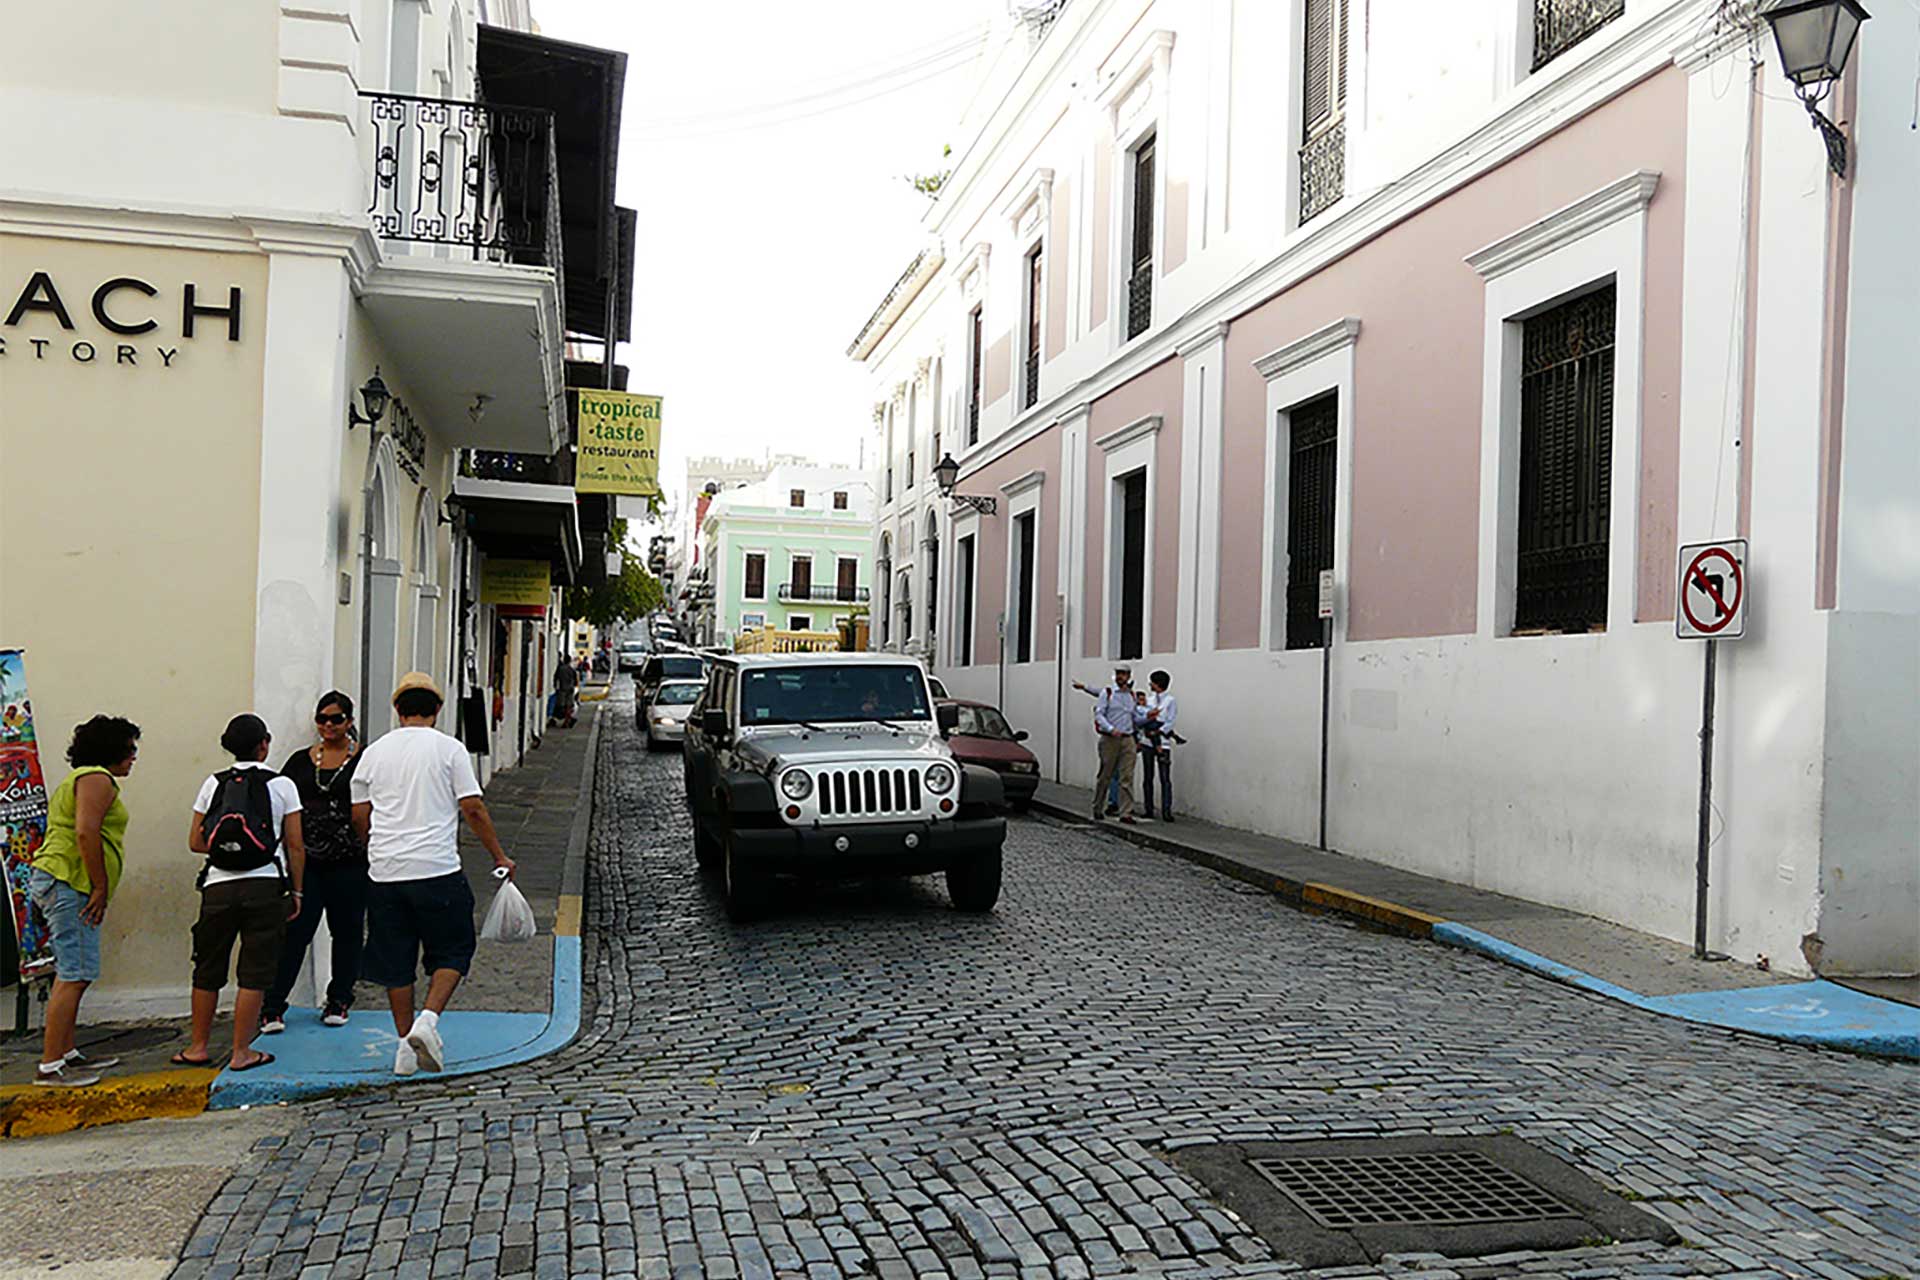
(1713, 591)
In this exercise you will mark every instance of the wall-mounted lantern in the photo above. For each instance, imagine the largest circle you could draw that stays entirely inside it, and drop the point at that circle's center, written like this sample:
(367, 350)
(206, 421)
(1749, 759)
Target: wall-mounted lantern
(1816, 38)
(946, 473)
(373, 397)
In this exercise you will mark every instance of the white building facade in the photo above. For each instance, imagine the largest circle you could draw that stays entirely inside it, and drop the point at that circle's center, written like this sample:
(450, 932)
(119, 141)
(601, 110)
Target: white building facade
(1487, 309)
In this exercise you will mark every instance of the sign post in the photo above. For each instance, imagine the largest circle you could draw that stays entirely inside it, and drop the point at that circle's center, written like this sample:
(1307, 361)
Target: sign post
(1713, 607)
(1326, 687)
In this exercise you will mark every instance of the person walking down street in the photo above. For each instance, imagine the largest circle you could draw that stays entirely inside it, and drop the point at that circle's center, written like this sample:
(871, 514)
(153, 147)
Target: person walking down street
(566, 687)
(72, 879)
(1162, 713)
(336, 881)
(246, 819)
(1116, 716)
(413, 787)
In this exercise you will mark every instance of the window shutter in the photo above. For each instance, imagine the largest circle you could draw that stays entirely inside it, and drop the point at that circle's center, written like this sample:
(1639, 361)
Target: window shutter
(1318, 100)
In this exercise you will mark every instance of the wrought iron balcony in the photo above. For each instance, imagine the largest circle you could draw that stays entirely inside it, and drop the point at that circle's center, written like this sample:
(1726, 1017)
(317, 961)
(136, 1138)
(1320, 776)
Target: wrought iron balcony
(821, 593)
(1140, 299)
(1323, 170)
(1558, 25)
(481, 180)
(1030, 385)
(526, 468)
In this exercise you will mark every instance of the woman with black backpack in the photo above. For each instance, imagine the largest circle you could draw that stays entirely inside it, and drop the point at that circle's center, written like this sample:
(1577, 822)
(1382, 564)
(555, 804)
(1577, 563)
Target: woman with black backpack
(246, 819)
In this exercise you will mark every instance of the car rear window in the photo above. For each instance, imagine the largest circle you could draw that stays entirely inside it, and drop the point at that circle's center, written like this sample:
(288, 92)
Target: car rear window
(681, 668)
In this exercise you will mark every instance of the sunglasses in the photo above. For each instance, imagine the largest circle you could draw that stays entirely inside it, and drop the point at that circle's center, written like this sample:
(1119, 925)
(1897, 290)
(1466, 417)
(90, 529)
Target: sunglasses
(332, 717)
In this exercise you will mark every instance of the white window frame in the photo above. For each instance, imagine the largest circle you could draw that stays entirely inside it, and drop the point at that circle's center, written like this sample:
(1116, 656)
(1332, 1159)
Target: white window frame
(806, 618)
(744, 553)
(1030, 215)
(963, 526)
(839, 560)
(1599, 238)
(1136, 102)
(1303, 371)
(1131, 448)
(752, 621)
(1022, 497)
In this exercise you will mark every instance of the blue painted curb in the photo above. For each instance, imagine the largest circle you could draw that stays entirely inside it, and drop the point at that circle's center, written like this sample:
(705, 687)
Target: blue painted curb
(309, 1057)
(1818, 1013)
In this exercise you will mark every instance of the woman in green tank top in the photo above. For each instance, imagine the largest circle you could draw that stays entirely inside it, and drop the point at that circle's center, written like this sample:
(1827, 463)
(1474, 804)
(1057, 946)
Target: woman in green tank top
(75, 872)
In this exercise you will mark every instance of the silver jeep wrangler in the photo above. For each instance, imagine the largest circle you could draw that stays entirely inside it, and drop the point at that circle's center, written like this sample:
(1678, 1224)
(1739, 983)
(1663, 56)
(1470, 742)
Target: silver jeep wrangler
(834, 765)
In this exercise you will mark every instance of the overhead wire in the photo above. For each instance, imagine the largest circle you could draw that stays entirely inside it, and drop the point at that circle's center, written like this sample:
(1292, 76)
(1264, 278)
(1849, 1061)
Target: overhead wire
(880, 79)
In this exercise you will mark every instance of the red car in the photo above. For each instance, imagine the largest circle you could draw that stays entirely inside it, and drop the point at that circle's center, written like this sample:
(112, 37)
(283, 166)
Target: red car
(983, 737)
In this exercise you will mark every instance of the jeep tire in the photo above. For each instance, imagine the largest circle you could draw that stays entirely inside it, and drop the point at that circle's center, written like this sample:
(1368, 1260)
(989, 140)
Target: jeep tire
(974, 885)
(746, 891)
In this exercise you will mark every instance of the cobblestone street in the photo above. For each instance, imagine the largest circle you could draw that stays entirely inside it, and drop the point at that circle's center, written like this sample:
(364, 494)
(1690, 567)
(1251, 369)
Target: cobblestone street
(874, 1084)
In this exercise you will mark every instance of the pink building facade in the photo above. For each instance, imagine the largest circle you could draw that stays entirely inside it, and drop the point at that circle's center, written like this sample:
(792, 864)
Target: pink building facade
(1223, 294)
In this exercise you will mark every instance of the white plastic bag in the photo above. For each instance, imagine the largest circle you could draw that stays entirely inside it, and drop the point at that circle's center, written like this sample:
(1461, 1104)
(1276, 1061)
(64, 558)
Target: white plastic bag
(509, 919)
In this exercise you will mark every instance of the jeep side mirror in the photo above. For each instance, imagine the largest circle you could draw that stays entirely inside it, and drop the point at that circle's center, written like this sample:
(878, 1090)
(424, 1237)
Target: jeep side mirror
(713, 722)
(948, 718)
(1019, 735)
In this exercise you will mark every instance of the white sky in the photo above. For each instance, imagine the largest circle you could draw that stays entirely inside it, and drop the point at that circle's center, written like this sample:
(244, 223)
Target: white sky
(763, 249)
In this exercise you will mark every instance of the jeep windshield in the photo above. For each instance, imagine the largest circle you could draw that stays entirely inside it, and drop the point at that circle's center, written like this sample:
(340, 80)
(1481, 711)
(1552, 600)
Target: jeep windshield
(799, 695)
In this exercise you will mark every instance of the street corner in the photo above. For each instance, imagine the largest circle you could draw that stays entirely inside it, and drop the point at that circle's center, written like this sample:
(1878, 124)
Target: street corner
(30, 1110)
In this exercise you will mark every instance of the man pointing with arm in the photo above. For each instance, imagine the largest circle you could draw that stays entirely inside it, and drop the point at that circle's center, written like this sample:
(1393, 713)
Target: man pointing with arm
(1116, 716)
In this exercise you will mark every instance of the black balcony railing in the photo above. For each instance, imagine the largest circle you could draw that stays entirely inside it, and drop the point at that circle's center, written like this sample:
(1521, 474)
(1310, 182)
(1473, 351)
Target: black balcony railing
(468, 175)
(488, 464)
(1323, 171)
(1030, 385)
(1558, 25)
(1140, 300)
(821, 593)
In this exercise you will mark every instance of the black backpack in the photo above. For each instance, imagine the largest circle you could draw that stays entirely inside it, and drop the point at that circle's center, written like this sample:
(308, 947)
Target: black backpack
(240, 830)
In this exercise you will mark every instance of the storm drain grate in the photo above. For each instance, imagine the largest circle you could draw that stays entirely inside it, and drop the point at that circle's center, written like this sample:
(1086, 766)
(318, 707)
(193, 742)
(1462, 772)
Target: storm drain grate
(1409, 1189)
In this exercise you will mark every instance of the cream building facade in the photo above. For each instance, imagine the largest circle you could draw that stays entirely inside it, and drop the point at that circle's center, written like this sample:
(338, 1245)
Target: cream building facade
(216, 235)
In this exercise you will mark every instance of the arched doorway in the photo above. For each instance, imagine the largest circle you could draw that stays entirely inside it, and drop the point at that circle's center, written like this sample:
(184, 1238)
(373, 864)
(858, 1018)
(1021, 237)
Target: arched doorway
(380, 611)
(426, 584)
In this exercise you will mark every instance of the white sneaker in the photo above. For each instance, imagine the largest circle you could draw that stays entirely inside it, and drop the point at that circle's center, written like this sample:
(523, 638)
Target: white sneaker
(425, 1039)
(64, 1076)
(405, 1061)
(272, 1026)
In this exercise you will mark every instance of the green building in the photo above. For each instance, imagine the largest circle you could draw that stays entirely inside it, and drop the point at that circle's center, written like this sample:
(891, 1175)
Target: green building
(791, 552)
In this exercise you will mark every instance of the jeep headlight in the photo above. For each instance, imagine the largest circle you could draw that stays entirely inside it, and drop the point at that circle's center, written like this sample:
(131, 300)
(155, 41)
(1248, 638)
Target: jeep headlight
(796, 784)
(939, 778)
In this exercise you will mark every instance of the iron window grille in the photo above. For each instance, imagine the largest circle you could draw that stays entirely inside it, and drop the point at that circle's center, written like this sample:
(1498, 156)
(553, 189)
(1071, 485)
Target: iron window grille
(754, 586)
(1323, 104)
(1311, 467)
(1558, 25)
(1140, 271)
(807, 592)
(1030, 384)
(1566, 466)
(975, 336)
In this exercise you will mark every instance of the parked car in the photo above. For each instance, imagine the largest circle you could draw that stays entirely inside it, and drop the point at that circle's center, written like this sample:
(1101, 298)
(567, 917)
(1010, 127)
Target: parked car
(939, 688)
(634, 654)
(662, 667)
(834, 765)
(663, 719)
(981, 736)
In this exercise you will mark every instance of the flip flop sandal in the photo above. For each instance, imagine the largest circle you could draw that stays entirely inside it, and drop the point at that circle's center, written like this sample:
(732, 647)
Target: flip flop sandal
(261, 1061)
(182, 1060)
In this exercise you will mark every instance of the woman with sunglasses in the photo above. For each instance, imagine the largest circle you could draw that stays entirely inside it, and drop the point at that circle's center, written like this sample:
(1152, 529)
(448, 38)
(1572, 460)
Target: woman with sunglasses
(336, 880)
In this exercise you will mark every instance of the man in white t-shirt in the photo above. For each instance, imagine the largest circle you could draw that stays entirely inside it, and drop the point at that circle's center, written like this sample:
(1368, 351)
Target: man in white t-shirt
(246, 819)
(413, 787)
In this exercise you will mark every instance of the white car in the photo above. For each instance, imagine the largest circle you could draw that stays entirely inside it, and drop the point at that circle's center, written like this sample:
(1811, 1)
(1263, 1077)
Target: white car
(664, 718)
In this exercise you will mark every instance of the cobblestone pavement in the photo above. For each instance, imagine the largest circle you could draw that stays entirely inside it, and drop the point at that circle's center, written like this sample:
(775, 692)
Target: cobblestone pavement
(874, 1084)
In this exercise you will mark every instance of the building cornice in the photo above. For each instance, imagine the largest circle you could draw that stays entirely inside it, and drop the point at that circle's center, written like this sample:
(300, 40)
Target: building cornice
(1619, 199)
(922, 269)
(1321, 342)
(1216, 332)
(1139, 429)
(1021, 484)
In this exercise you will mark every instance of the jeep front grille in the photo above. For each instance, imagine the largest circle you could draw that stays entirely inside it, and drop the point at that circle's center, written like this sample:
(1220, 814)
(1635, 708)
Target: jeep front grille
(868, 792)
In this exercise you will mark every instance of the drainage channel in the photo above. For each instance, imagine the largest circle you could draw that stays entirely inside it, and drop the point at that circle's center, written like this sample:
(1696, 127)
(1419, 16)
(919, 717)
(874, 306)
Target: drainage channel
(1338, 1203)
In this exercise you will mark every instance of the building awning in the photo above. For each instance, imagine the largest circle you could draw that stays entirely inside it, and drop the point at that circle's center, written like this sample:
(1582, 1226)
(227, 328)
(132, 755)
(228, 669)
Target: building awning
(582, 86)
(514, 519)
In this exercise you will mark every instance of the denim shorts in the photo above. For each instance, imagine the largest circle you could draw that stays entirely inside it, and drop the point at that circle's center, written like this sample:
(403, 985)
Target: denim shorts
(76, 944)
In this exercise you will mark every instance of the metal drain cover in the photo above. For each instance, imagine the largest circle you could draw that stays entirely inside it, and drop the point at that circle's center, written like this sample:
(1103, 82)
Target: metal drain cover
(1341, 1203)
(1420, 1188)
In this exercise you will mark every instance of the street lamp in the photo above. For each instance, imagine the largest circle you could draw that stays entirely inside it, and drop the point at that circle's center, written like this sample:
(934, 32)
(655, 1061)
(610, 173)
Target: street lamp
(946, 473)
(1816, 38)
(374, 396)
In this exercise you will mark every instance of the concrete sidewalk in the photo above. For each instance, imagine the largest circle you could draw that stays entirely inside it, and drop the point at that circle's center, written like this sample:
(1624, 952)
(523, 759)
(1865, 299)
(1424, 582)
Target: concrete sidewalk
(521, 1000)
(1607, 959)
